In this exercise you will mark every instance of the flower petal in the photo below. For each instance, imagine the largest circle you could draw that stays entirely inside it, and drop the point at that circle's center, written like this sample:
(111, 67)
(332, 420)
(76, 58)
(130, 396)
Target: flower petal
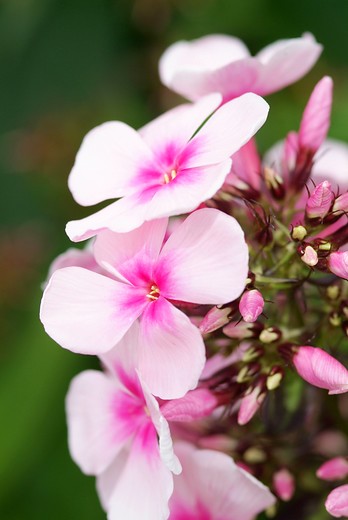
(171, 353)
(286, 61)
(206, 238)
(144, 472)
(109, 158)
(118, 252)
(232, 126)
(95, 435)
(88, 313)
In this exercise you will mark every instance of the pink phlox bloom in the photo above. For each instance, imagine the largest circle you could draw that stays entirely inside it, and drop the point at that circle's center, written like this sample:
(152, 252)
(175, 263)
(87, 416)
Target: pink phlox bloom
(337, 502)
(333, 469)
(117, 432)
(165, 169)
(204, 261)
(212, 487)
(284, 484)
(221, 63)
(320, 369)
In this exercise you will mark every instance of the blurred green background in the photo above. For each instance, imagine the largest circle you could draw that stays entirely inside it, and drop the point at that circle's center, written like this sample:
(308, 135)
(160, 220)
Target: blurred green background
(66, 66)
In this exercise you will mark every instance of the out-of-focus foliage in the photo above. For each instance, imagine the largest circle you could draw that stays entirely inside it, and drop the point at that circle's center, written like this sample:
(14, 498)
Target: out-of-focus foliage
(66, 66)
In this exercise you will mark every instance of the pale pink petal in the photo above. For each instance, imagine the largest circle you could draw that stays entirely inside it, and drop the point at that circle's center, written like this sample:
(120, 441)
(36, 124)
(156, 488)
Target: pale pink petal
(88, 313)
(205, 260)
(315, 121)
(188, 190)
(214, 482)
(246, 165)
(331, 163)
(74, 257)
(118, 252)
(174, 128)
(219, 362)
(320, 369)
(286, 61)
(121, 216)
(96, 434)
(337, 502)
(172, 354)
(142, 483)
(194, 69)
(232, 126)
(109, 158)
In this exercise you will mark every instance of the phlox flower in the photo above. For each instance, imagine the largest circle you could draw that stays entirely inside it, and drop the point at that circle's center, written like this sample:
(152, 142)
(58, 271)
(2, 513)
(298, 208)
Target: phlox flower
(212, 487)
(221, 63)
(117, 433)
(204, 261)
(165, 169)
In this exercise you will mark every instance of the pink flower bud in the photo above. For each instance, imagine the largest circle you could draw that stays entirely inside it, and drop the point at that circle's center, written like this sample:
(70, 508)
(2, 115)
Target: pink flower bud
(316, 116)
(290, 152)
(337, 502)
(310, 256)
(194, 405)
(338, 264)
(320, 369)
(284, 484)
(250, 404)
(214, 319)
(251, 305)
(242, 330)
(320, 201)
(333, 469)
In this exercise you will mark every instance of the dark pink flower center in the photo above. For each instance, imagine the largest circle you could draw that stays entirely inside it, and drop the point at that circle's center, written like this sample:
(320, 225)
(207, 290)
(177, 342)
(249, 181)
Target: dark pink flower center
(168, 177)
(153, 293)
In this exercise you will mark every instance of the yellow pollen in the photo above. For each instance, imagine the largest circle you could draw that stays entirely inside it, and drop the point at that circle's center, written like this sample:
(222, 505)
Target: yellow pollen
(154, 293)
(169, 177)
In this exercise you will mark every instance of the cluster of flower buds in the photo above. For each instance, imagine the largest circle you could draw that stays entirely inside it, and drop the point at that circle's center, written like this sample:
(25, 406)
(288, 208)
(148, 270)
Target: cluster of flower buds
(214, 292)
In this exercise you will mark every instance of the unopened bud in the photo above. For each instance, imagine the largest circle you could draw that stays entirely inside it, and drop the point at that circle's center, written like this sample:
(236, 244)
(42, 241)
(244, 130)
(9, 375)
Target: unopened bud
(284, 484)
(337, 502)
(242, 330)
(251, 305)
(250, 404)
(338, 264)
(335, 319)
(299, 233)
(253, 353)
(215, 318)
(270, 335)
(340, 205)
(274, 378)
(333, 292)
(310, 256)
(247, 372)
(254, 455)
(333, 469)
(319, 203)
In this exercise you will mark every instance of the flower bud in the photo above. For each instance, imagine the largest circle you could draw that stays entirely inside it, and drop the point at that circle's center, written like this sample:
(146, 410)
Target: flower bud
(299, 233)
(319, 203)
(274, 183)
(242, 330)
(333, 469)
(251, 305)
(284, 484)
(338, 264)
(320, 369)
(337, 502)
(274, 377)
(215, 318)
(251, 402)
(270, 335)
(310, 256)
(316, 116)
(194, 405)
(341, 204)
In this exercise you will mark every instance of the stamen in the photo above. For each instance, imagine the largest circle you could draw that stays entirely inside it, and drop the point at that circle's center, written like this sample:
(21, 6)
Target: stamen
(154, 293)
(170, 176)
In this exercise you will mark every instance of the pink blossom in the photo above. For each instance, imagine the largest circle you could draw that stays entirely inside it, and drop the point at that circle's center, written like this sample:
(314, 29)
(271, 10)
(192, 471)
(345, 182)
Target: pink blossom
(220, 63)
(204, 261)
(337, 502)
(320, 369)
(117, 433)
(315, 121)
(213, 487)
(284, 484)
(251, 305)
(196, 404)
(338, 264)
(333, 469)
(162, 170)
(320, 201)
